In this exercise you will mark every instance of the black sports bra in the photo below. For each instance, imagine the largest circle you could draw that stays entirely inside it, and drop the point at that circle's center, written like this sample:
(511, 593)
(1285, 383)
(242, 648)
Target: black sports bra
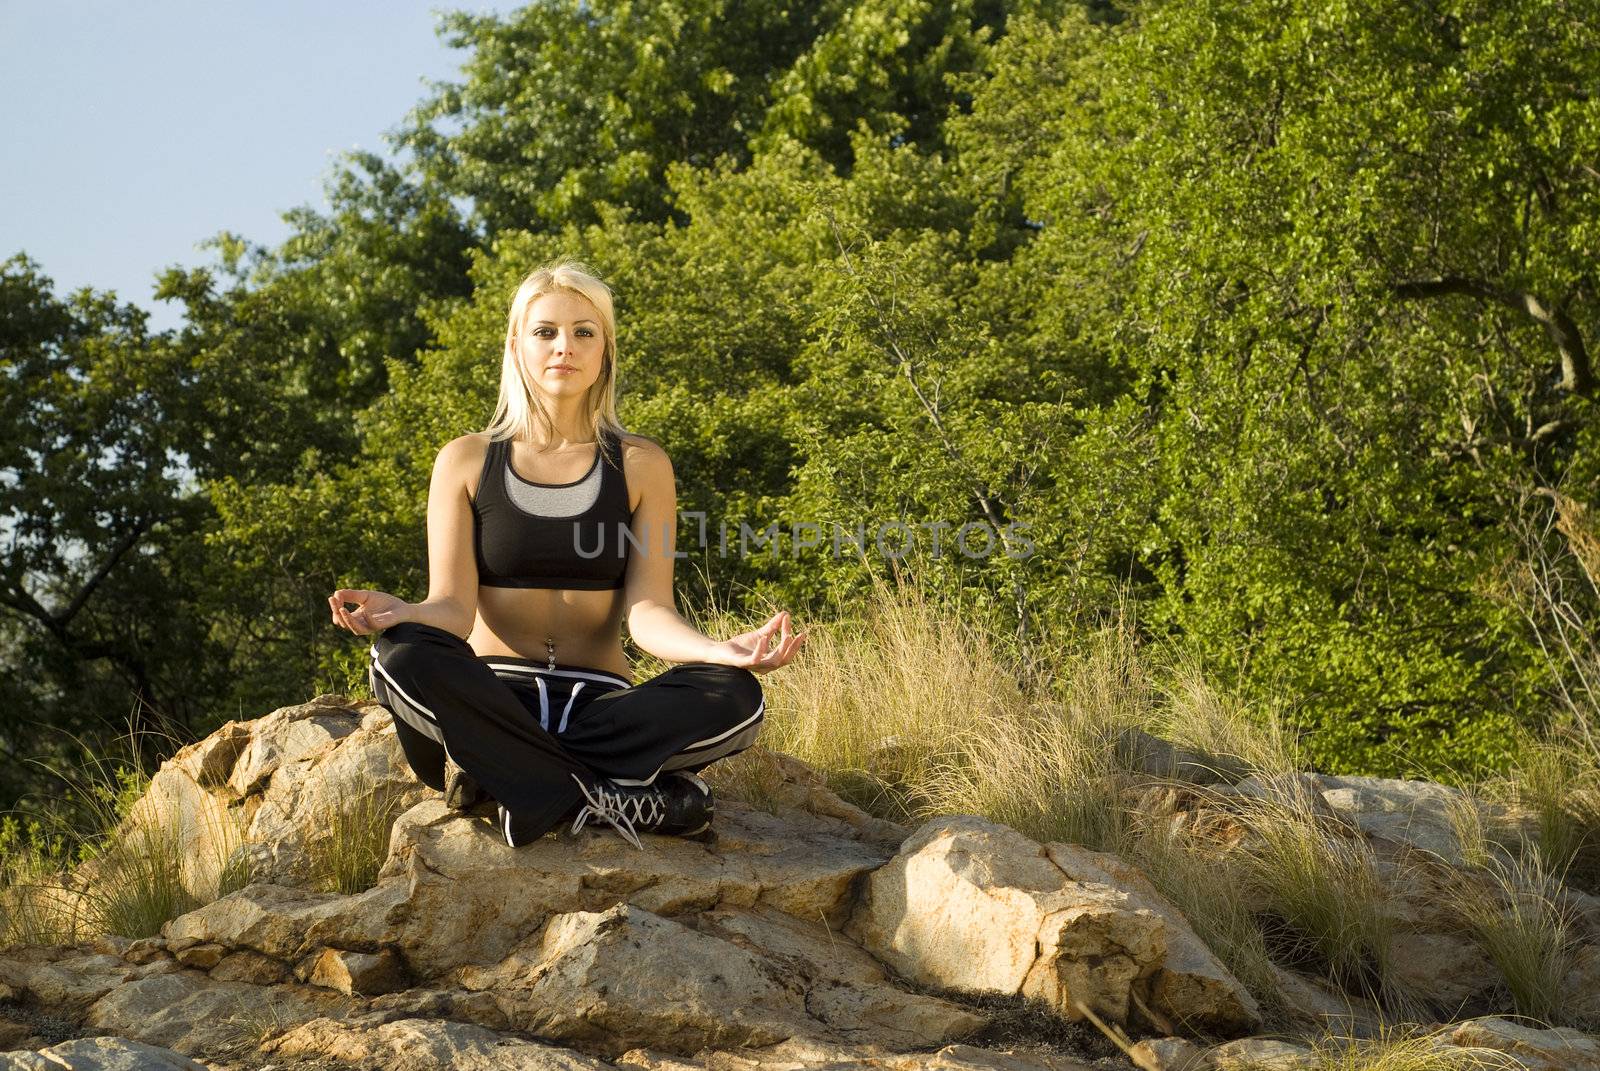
(585, 549)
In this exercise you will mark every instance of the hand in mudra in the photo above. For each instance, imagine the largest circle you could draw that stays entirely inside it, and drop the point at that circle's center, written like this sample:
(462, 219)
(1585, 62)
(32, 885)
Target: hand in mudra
(751, 650)
(374, 612)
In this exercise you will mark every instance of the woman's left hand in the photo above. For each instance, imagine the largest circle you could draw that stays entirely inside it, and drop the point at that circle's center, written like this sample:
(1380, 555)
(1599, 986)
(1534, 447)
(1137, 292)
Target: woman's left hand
(750, 650)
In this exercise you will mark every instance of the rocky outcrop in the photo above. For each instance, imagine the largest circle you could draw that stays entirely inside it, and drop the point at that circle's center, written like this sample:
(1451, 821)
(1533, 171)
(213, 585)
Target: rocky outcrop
(805, 934)
(269, 788)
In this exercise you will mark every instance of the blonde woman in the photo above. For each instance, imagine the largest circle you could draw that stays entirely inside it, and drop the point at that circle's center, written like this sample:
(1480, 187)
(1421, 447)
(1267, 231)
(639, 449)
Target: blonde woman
(546, 532)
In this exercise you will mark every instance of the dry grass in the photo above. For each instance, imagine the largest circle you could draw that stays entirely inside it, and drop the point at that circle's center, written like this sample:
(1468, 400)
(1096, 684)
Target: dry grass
(910, 711)
(95, 863)
(1522, 917)
(1322, 881)
(1407, 1051)
(1241, 739)
(1556, 780)
(354, 840)
(752, 777)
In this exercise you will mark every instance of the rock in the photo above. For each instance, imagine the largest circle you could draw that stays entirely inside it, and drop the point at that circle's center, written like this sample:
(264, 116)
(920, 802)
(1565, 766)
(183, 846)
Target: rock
(367, 973)
(801, 789)
(335, 763)
(461, 1005)
(1190, 986)
(1446, 969)
(846, 989)
(250, 788)
(1416, 814)
(287, 735)
(814, 1055)
(153, 968)
(195, 1014)
(201, 956)
(66, 982)
(110, 945)
(289, 923)
(1260, 1054)
(210, 762)
(469, 899)
(1583, 985)
(252, 967)
(423, 1045)
(968, 904)
(626, 978)
(1170, 1054)
(99, 1054)
(453, 894)
(145, 949)
(1139, 751)
(1556, 1049)
(1317, 1006)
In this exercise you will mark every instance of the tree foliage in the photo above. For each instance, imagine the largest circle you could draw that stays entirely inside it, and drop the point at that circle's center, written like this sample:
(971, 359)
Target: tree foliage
(1267, 315)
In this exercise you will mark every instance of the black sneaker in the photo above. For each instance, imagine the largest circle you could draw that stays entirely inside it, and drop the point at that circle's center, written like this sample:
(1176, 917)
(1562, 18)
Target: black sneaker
(677, 804)
(461, 792)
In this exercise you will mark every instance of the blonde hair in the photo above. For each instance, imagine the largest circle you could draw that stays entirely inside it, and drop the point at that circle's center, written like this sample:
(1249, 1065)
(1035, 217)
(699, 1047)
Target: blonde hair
(518, 405)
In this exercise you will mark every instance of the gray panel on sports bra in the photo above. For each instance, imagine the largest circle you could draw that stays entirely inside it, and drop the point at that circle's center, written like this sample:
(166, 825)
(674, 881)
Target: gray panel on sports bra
(553, 501)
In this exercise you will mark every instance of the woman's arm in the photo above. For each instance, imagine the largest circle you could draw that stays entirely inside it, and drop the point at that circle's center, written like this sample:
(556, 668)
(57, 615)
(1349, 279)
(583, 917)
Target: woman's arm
(452, 601)
(653, 620)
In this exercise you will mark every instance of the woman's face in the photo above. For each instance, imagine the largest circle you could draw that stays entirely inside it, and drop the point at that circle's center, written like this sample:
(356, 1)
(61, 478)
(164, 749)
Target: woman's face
(561, 344)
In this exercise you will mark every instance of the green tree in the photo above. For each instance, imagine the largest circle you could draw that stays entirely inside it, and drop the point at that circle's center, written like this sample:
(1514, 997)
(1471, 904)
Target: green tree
(98, 582)
(1345, 253)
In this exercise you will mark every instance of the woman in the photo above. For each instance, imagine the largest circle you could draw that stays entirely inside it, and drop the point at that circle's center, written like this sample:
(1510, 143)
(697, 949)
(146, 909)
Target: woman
(545, 533)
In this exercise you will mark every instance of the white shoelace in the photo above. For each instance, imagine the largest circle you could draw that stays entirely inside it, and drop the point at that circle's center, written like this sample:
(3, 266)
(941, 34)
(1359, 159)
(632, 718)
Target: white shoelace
(620, 811)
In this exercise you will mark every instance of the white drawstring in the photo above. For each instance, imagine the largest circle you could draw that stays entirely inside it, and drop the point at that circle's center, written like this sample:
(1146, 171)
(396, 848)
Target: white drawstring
(576, 688)
(544, 704)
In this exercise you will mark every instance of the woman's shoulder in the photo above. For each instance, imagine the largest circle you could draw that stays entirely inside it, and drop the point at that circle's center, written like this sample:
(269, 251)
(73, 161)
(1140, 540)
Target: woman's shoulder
(643, 454)
(461, 460)
(464, 449)
(645, 467)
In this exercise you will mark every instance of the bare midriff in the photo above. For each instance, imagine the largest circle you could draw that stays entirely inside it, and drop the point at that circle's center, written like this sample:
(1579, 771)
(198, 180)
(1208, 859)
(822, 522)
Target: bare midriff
(585, 626)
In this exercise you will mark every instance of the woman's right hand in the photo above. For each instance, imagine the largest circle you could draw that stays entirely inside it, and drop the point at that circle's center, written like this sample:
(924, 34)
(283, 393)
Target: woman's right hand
(374, 612)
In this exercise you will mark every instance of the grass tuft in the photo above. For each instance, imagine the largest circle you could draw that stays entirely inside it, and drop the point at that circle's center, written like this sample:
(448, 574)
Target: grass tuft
(1322, 882)
(354, 839)
(1525, 923)
(1398, 1050)
(91, 863)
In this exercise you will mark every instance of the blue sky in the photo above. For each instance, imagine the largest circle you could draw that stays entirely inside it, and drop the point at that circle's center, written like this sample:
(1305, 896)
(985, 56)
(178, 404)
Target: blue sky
(131, 131)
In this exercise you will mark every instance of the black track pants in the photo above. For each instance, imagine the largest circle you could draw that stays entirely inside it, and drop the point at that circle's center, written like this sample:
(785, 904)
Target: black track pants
(522, 730)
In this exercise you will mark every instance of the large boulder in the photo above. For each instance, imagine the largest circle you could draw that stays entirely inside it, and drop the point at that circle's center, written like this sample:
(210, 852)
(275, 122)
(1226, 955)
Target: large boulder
(625, 978)
(971, 905)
